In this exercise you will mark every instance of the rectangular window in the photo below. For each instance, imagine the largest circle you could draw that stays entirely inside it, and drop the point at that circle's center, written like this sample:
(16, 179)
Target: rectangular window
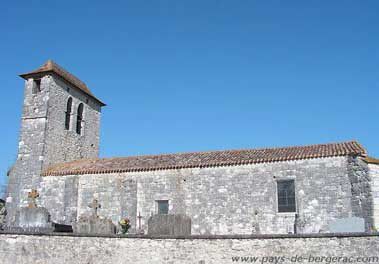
(162, 206)
(286, 196)
(36, 86)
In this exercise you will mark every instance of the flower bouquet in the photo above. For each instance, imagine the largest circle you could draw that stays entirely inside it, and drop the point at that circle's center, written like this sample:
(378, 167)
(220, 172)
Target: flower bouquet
(125, 225)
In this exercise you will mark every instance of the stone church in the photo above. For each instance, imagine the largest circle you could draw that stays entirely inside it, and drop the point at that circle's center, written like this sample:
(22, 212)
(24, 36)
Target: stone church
(223, 192)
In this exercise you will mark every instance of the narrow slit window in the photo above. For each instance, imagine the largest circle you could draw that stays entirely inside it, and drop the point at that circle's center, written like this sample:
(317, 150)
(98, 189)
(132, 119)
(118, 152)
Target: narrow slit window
(286, 196)
(36, 86)
(162, 206)
(79, 119)
(68, 114)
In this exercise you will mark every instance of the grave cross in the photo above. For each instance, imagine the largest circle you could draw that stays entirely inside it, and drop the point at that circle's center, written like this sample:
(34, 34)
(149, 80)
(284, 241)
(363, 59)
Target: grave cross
(33, 195)
(139, 221)
(94, 205)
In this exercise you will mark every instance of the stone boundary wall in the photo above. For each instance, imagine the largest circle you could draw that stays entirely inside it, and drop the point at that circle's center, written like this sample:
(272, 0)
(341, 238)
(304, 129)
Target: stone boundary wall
(77, 249)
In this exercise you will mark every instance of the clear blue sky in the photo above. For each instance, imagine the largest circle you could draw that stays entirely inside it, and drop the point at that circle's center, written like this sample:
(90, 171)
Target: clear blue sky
(203, 75)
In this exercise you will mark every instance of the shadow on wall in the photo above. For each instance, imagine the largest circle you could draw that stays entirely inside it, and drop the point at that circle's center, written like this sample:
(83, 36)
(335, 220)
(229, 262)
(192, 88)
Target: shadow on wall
(3, 191)
(2, 213)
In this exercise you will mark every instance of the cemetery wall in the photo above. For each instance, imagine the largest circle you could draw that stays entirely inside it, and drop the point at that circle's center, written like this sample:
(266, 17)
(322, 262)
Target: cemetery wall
(43, 249)
(221, 200)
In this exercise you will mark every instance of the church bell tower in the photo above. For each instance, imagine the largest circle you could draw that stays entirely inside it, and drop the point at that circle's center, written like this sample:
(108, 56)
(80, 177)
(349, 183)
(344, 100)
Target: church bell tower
(60, 123)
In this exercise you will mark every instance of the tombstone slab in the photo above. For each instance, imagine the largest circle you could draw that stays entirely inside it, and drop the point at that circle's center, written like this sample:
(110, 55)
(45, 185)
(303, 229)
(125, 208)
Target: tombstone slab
(95, 226)
(169, 224)
(32, 219)
(347, 225)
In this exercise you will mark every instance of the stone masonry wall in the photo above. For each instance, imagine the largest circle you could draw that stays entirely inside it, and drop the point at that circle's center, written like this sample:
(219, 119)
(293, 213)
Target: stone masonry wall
(24, 174)
(374, 175)
(221, 200)
(66, 145)
(28, 249)
(361, 194)
(44, 140)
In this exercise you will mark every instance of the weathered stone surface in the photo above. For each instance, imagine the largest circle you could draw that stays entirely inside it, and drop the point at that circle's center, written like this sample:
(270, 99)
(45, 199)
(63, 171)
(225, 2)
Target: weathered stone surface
(374, 179)
(35, 219)
(347, 225)
(3, 213)
(166, 224)
(22, 249)
(361, 192)
(45, 141)
(91, 225)
(223, 200)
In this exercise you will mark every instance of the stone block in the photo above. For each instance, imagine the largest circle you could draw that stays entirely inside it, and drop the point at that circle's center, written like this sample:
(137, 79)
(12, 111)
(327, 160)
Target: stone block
(32, 220)
(169, 224)
(94, 225)
(347, 225)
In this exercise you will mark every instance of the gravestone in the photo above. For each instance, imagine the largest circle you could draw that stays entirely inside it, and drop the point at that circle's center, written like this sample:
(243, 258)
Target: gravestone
(347, 225)
(255, 227)
(93, 224)
(299, 224)
(140, 230)
(169, 224)
(32, 218)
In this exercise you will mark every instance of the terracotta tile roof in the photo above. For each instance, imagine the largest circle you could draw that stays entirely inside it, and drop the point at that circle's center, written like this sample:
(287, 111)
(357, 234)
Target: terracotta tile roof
(371, 160)
(51, 66)
(204, 159)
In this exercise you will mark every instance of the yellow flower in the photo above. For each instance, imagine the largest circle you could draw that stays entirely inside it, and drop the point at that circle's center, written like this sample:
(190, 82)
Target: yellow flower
(124, 221)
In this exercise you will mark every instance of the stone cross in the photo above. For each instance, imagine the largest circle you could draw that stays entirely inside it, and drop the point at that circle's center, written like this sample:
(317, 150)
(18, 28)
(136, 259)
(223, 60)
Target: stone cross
(94, 205)
(139, 221)
(296, 223)
(299, 223)
(33, 195)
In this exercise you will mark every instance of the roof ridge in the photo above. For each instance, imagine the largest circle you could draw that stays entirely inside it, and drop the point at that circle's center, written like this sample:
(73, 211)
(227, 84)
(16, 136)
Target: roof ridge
(53, 65)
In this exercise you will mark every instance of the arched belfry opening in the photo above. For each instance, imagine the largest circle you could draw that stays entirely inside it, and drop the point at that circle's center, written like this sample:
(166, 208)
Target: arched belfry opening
(68, 114)
(79, 119)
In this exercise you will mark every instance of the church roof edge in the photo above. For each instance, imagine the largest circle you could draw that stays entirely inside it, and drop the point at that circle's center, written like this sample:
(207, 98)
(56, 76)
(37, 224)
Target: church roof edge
(204, 159)
(372, 160)
(51, 66)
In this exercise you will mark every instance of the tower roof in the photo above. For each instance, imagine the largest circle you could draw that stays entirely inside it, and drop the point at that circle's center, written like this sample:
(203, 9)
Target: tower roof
(51, 66)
